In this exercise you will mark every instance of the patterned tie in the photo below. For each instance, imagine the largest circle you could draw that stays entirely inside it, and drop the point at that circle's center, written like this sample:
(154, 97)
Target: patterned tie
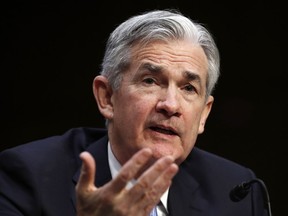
(153, 212)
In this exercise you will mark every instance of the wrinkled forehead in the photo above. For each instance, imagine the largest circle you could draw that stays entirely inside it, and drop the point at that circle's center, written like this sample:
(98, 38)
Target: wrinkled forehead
(177, 53)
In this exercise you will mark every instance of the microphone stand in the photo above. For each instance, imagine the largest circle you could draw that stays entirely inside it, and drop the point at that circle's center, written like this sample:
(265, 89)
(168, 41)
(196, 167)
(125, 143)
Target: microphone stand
(265, 191)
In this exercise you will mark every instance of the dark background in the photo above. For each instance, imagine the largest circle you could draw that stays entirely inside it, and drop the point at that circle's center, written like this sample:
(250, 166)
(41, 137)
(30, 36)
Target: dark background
(51, 53)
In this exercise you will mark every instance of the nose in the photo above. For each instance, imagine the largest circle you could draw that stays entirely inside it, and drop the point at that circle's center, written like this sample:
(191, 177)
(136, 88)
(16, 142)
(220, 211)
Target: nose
(169, 102)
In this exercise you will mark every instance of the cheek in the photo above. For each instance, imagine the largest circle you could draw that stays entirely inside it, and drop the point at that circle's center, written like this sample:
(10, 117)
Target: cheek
(139, 112)
(192, 122)
(133, 108)
(191, 119)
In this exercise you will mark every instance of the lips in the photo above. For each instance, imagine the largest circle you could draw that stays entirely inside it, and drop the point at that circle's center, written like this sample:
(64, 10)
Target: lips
(164, 130)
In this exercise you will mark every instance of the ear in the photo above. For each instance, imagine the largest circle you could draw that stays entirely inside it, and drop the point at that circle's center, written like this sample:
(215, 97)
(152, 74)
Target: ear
(205, 114)
(103, 93)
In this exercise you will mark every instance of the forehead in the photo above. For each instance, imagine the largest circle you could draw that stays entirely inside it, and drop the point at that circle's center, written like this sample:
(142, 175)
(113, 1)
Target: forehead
(182, 55)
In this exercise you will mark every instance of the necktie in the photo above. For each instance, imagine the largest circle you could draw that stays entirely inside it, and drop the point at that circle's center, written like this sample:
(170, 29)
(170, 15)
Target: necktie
(153, 212)
(161, 209)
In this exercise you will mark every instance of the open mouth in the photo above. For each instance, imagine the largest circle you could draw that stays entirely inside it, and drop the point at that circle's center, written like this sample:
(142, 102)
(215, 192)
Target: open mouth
(163, 130)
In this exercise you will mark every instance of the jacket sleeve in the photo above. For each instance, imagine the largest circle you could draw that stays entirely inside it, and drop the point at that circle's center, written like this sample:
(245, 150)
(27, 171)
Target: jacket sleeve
(17, 187)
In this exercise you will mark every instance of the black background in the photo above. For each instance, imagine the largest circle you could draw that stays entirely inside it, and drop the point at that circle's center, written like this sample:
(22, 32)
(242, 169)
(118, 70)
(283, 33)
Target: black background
(52, 52)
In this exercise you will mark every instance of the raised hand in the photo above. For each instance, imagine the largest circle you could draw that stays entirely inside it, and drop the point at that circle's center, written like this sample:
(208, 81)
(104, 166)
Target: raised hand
(114, 198)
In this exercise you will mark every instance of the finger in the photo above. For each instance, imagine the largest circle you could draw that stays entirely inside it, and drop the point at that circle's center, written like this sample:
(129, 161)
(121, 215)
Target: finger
(161, 173)
(160, 185)
(130, 169)
(87, 174)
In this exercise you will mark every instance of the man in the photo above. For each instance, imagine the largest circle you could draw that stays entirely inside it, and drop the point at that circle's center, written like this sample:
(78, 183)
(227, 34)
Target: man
(155, 91)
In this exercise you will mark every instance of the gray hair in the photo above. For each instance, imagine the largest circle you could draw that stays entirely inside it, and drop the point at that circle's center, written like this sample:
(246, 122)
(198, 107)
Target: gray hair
(161, 25)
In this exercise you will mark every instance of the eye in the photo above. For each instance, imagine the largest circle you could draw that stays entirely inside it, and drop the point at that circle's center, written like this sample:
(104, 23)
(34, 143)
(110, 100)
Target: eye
(189, 88)
(149, 80)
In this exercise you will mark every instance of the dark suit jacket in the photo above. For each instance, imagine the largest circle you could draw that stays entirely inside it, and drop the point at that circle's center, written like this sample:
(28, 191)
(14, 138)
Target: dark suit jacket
(39, 178)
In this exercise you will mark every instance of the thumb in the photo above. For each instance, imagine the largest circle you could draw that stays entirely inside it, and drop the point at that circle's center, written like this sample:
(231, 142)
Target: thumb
(87, 174)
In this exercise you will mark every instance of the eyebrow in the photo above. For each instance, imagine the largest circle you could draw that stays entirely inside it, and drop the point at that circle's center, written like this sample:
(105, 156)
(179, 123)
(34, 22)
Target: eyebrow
(151, 67)
(189, 75)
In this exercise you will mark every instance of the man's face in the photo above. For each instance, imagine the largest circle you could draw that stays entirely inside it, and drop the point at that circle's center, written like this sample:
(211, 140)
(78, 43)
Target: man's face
(161, 103)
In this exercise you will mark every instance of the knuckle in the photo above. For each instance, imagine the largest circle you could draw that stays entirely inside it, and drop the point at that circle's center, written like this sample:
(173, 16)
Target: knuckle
(124, 176)
(152, 195)
(143, 184)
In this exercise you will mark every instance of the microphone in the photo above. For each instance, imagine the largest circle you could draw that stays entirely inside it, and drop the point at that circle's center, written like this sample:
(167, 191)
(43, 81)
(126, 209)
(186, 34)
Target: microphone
(240, 191)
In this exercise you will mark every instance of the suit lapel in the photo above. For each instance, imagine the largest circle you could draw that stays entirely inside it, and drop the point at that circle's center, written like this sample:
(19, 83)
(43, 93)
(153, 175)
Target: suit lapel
(185, 194)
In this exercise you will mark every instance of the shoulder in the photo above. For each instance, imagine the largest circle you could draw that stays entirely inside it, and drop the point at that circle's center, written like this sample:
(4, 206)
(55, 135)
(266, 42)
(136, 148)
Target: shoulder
(82, 137)
(212, 159)
(41, 172)
(54, 148)
(207, 163)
